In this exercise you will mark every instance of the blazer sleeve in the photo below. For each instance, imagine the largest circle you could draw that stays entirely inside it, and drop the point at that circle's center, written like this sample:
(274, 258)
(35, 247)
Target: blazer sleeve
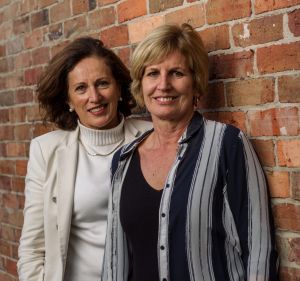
(249, 200)
(32, 243)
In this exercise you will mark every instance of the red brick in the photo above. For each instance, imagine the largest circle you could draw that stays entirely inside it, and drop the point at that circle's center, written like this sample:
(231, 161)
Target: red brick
(41, 55)
(106, 2)
(102, 18)
(46, 3)
(237, 119)
(288, 153)
(39, 19)
(17, 114)
(265, 151)
(295, 250)
(10, 201)
(124, 55)
(11, 267)
(294, 22)
(55, 32)
(194, 15)
(231, 65)
(57, 48)
(18, 184)
(2, 51)
(215, 97)
(156, 6)
(21, 25)
(287, 216)
(14, 46)
(6, 132)
(127, 12)
(274, 122)
(23, 132)
(295, 179)
(6, 277)
(16, 149)
(5, 248)
(23, 96)
(250, 92)
(7, 167)
(261, 6)
(23, 60)
(60, 11)
(5, 182)
(80, 6)
(40, 129)
(289, 273)
(34, 39)
(225, 10)
(216, 38)
(279, 184)
(6, 30)
(27, 6)
(11, 11)
(14, 80)
(75, 26)
(21, 167)
(138, 30)
(33, 113)
(279, 62)
(31, 75)
(6, 99)
(258, 31)
(289, 89)
(3, 66)
(120, 37)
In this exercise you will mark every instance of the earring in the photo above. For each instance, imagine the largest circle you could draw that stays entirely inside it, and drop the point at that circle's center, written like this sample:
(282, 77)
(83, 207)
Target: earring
(120, 99)
(71, 109)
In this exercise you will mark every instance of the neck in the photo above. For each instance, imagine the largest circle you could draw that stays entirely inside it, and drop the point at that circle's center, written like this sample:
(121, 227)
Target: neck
(167, 133)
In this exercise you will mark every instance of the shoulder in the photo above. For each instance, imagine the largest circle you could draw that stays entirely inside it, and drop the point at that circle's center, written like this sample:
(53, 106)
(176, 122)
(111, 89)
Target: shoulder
(135, 128)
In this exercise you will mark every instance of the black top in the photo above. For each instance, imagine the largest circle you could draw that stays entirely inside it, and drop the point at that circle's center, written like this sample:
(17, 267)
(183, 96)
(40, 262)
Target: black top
(139, 211)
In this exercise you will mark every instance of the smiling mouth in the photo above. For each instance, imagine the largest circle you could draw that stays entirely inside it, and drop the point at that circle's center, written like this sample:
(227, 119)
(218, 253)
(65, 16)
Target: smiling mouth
(97, 108)
(165, 99)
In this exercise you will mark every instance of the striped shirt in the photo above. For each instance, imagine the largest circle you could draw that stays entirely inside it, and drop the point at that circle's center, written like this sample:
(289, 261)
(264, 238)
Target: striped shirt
(215, 222)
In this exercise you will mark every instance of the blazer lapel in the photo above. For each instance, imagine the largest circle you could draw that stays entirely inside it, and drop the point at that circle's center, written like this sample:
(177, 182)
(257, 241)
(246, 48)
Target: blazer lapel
(67, 165)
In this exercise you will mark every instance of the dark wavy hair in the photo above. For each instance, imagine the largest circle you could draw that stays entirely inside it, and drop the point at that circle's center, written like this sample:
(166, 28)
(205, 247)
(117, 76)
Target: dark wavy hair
(52, 87)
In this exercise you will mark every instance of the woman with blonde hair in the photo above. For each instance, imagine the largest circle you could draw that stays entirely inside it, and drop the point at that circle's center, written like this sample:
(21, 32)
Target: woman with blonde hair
(189, 199)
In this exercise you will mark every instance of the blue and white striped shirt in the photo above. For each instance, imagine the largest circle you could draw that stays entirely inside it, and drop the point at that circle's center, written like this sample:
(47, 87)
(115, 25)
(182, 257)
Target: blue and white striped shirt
(214, 219)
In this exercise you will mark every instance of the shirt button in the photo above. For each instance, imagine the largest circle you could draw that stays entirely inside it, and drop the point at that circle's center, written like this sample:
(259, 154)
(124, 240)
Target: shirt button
(167, 185)
(164, 279)
(162, 247)
(54, 199)
(163, 215)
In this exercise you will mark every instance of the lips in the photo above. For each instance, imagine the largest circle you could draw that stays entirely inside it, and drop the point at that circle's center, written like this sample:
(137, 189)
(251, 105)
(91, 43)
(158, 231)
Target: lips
(97, 109)
(165, 99)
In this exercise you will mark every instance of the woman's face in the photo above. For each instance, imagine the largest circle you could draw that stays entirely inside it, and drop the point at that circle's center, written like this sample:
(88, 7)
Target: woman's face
(168, 89)
(94, 93)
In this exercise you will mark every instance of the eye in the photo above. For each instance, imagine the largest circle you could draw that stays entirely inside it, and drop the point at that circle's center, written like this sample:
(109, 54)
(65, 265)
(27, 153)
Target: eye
(80, 88)
(152, 73)
(102, 84)
(176, 73)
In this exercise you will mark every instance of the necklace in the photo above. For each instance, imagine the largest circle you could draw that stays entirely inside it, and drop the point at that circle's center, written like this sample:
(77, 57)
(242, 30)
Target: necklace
(90, 151)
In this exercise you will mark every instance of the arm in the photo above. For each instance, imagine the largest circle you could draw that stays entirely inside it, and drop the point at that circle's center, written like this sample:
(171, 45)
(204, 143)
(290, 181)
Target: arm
(32, 245)
(248, 197)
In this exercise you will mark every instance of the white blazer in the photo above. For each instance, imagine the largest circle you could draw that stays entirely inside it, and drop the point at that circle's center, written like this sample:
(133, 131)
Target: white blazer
(49, 191)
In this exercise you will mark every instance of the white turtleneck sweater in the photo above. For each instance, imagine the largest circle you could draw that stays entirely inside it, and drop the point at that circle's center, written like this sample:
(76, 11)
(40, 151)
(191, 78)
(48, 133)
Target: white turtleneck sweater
(88, 229)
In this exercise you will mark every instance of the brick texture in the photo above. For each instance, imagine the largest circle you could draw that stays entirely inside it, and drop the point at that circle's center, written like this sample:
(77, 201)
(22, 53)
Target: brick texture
(254, 84)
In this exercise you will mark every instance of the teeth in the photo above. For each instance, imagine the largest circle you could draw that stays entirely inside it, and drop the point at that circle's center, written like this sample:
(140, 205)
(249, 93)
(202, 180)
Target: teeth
(165, 99)
(95, 109)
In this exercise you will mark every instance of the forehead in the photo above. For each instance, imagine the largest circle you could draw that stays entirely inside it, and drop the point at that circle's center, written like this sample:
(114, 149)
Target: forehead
(175, 58)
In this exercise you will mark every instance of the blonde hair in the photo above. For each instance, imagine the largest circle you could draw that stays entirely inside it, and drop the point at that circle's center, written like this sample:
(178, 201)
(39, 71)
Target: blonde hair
(160, 43)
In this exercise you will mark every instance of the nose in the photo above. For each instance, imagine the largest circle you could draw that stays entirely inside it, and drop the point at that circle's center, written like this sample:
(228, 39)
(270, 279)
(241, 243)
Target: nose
(163, 83)
(94, 95)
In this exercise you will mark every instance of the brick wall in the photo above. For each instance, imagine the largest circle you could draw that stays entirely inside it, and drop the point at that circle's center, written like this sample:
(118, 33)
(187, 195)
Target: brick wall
(254, 48)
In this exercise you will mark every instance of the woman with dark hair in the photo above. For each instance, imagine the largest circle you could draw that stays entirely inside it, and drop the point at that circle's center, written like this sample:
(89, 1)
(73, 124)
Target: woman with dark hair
(85, 92)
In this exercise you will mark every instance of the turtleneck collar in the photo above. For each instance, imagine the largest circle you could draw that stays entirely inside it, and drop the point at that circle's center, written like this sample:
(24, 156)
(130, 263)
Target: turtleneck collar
(101, 142)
